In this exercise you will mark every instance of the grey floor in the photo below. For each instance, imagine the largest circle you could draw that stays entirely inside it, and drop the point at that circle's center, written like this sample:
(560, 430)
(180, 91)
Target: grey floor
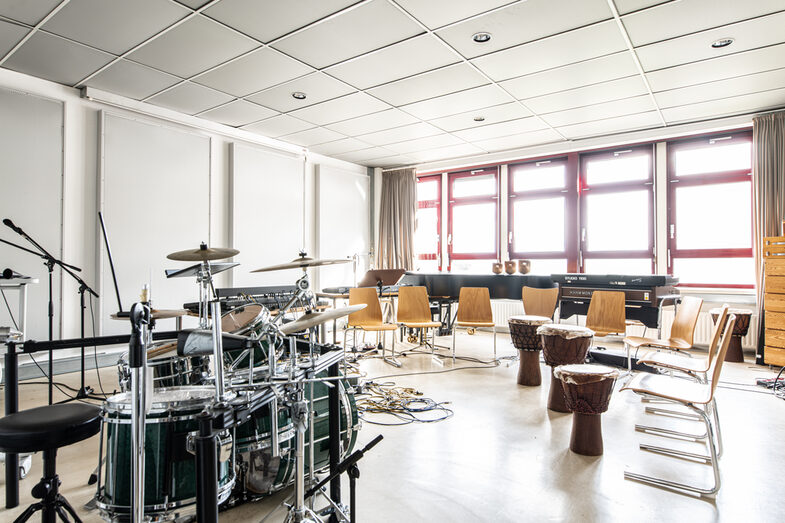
(504, 457)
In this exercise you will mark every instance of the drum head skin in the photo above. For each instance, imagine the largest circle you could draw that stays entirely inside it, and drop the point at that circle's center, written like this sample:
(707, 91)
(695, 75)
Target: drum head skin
(242, 318)
(579, 374)
(568, 332)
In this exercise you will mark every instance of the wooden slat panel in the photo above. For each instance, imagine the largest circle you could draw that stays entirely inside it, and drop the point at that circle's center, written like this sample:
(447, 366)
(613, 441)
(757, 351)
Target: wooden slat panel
(775, 338)
(774, 302)
(774, 267)
(775, 284)
(775, 320)
(773, 246)
(774, 356)
(768, 240)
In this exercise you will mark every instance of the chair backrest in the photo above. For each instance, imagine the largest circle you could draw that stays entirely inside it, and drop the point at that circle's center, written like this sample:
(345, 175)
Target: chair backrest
(607, 313)
(539, 302)
(474, 305)
(683, 328)
(726, 336)
(370, 315)
(716, 334)
(413, 305)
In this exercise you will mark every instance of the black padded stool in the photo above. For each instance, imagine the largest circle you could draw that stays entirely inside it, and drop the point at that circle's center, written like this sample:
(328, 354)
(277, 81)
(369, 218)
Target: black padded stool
(47, 429)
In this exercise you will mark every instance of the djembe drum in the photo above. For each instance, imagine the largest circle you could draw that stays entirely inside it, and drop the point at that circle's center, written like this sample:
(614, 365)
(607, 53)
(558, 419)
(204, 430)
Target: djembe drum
(740, 328)
(587, 392)
(523, 331)
(562, 345)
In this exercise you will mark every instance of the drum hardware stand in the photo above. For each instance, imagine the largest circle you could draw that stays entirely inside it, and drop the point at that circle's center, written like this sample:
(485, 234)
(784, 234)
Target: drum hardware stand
(137, 355)
(300, 410)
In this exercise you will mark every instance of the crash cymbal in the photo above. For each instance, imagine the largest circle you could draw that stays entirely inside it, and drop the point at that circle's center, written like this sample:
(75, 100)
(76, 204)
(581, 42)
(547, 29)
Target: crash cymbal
(302, 263)
(312, 319)
(158, 314)
(203, 253)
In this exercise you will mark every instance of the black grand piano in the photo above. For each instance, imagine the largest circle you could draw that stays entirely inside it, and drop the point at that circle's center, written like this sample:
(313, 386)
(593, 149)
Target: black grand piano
(645, 295)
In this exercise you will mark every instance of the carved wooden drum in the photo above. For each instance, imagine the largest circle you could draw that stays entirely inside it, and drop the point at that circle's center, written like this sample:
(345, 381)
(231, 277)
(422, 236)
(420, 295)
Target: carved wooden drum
(740, 329)
(523, 332)
(563, 345)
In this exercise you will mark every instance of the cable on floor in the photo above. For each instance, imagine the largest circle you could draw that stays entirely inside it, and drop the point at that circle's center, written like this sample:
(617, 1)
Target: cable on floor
(405, 404)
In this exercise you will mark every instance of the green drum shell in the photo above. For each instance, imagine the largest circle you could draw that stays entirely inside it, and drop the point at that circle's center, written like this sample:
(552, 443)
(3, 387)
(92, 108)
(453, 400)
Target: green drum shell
(166, 440)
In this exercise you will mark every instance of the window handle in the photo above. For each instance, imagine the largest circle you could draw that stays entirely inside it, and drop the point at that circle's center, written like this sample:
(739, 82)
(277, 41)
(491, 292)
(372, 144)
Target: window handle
(673, 230)
(509, 237)
(669, 259)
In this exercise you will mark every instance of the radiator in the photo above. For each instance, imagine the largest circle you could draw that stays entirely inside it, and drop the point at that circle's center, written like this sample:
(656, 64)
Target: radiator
(503, 309)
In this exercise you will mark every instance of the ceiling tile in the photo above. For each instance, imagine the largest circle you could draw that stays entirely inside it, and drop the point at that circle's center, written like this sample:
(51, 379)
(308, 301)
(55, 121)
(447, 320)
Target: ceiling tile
(587, 95)
(343, 108)
(357, 31)
(461, 102)
(56, 59)
(190, 98)
(421, 144)
(258, 70)
(132, 80)
(10, 35)
(238, 112)
(726, 106)
(400, 134)
(317, 86)
(390, 161)
(592, 71)
(523, 22)
(192, 47)
(407, 58)
(27, 11)
(114, 25)
(371, 123)
(674, 19)
(430, 85)
(268, 19)
(501, 129)
(453, 151)
(751, 34)
(437, 13)
(719, 89)
(718, 68)
(313, 136)
(566, 48)
(496, 114)
(629, 6)
(365, 155)
(520, 140)
(346, 145)
(612, 125)
(638, 104)
(279, 126)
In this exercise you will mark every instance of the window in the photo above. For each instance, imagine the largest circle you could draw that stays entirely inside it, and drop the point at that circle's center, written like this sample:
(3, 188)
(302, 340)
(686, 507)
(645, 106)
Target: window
(541, 207)
(710, 211)
(427, 235)
(473, 220)
(617, 212)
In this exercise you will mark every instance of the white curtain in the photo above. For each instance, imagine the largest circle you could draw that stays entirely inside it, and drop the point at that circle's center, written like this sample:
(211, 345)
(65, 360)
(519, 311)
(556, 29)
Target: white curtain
(397, 219)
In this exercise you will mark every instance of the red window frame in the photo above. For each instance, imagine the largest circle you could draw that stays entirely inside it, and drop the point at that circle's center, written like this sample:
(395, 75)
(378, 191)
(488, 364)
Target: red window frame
(452, 202)
(616, 187)
(435, 204)
(570, 195)
(711, 178)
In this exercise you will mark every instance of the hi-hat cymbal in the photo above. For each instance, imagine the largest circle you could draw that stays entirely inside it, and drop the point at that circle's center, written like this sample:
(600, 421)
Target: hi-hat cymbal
(312, 319)
(302, 263)
(203, 253)
(158, 314)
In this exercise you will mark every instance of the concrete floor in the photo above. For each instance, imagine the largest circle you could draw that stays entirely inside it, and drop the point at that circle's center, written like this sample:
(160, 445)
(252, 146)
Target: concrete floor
(504, 457)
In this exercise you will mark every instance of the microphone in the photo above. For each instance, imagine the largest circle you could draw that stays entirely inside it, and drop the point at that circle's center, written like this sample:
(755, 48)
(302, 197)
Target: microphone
(10, 224)
(9, 274)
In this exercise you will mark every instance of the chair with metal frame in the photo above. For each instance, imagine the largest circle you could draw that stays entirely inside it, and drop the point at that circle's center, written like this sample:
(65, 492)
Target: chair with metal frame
(682, 329)
(414, 312)
(474, 310)
(607, 315)
(369, 319)
(699, 398)
(539, 302)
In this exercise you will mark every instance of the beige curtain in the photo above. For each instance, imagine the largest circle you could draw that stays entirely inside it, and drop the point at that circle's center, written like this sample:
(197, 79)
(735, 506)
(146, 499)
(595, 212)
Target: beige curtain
(768, 193)
(396, 219)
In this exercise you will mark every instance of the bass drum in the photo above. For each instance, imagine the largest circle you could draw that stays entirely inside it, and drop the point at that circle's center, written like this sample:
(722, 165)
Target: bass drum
(259, 473)
(170, 467)
(169, 369)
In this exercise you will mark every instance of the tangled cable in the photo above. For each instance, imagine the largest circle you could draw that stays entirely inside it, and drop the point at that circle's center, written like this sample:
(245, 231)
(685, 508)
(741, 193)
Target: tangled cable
(403, 403)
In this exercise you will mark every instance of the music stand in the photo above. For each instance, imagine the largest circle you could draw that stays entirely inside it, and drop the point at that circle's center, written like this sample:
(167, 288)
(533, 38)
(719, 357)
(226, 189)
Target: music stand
(385, 277)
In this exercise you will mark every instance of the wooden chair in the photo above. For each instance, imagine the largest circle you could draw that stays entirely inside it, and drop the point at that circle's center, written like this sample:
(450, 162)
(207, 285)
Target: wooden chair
(539, 302)
(370, 319)
(474, 310)
(699, 398)
(607, 314)
(414, 312)
(682, 330)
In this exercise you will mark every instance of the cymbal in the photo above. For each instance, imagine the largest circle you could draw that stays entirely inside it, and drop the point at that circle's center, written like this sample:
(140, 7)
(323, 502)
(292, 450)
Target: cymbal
(312, 319)
(203, 253)
(158, 314)
(302, 263)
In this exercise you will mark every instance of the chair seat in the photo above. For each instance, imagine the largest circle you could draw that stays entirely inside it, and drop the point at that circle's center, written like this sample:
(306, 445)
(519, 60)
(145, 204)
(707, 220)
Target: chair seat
(638, 341)
(602, 334)
(421, 324)
(49, 427)
(666, 387)
(376, 328)
(474, 323)
(673, 361)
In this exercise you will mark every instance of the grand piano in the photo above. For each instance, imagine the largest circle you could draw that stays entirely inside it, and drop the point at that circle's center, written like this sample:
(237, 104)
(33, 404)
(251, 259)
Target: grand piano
(645, 295)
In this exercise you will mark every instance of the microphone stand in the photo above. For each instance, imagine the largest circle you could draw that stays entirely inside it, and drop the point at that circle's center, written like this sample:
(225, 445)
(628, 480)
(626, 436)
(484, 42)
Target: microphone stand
(50, 262)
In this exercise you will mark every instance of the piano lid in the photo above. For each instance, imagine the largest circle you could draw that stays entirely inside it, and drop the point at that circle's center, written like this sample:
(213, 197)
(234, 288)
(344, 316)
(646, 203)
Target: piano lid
(616, 280)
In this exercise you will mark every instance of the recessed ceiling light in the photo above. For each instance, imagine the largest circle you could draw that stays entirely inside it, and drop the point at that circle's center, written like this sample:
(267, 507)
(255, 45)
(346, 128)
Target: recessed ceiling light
(481, 37)
(298, 95)
(722, 42)
(479, 118)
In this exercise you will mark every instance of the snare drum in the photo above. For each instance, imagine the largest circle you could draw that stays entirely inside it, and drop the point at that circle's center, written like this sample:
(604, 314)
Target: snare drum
(169, 369)
(170, 465)
(246, 320)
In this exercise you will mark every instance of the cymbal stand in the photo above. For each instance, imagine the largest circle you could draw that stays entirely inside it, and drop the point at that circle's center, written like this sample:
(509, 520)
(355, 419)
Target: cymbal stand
(299, 408)
(137, 355)
(303, 294)
(204, 278)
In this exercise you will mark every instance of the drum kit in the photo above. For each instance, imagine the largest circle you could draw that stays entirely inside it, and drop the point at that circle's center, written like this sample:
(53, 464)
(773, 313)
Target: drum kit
(246, 362)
